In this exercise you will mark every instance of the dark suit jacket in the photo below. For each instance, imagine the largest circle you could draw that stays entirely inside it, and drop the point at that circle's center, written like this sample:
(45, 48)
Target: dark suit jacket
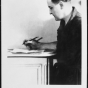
(69, 42)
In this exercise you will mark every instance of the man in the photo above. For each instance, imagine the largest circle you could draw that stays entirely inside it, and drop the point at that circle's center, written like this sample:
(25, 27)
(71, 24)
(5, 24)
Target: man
(68, 45)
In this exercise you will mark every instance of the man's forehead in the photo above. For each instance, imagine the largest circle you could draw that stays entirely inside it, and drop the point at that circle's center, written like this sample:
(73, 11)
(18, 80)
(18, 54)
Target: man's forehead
(49, 2)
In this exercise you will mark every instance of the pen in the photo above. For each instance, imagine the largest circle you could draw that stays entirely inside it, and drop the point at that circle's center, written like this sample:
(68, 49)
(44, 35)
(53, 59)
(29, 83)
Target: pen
(33, 38)
(30, 40)
(40, 38)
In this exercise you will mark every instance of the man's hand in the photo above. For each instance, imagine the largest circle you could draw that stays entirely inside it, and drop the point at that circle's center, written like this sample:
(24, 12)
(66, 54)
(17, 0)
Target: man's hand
(33, 44)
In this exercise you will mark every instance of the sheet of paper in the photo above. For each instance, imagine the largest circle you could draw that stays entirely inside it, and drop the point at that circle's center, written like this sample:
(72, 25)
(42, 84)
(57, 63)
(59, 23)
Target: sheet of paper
(25, 51)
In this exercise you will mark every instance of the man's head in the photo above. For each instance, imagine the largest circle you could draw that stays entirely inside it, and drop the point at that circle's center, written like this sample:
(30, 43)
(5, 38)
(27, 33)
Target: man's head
(59, 8)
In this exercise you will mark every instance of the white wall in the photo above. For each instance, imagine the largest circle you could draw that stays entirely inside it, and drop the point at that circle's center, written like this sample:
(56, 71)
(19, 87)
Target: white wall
(76, 4)
(23, 19)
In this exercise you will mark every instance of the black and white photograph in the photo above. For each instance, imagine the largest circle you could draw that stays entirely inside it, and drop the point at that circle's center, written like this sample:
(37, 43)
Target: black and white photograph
(44, 43)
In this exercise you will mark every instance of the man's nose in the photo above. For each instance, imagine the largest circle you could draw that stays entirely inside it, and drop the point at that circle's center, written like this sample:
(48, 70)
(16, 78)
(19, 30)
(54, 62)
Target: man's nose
(50, 12)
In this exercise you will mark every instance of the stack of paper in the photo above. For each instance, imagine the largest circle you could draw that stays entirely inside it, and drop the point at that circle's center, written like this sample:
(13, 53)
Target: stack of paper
(25, 51)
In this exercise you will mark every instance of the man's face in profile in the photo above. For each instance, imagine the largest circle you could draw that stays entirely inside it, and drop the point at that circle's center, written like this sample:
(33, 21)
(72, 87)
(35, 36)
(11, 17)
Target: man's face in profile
(55, 10)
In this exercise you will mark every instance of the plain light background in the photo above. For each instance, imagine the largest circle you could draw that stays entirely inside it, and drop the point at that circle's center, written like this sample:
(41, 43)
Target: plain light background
(23, 19)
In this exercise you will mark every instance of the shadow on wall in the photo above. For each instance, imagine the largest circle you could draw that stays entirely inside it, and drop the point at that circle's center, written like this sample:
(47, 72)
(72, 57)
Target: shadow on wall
(49, 31)
(46, 29)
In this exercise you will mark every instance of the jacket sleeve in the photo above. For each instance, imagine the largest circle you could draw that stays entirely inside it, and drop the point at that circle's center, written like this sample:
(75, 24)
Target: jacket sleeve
(72, 52)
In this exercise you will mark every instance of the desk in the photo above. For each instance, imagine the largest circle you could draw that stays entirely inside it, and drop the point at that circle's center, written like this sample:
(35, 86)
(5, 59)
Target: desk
(33, 68)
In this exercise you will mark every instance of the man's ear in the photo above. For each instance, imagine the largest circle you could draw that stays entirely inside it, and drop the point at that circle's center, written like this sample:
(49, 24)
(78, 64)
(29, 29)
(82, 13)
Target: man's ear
(61, 4)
